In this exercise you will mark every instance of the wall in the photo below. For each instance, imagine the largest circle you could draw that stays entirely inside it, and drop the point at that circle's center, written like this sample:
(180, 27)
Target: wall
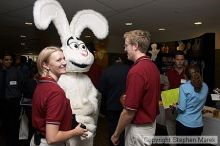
(217, 40)
(116, 45)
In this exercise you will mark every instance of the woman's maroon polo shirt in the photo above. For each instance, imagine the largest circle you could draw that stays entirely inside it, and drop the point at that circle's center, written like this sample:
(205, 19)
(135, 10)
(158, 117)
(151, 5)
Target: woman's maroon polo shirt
(50, 106)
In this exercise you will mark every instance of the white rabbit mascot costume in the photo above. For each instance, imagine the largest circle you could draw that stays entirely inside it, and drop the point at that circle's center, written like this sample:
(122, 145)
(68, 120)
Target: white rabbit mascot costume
(77, 86)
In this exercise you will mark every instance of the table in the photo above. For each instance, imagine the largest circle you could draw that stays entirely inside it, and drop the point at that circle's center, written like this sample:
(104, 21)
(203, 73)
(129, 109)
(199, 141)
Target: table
(211, 124)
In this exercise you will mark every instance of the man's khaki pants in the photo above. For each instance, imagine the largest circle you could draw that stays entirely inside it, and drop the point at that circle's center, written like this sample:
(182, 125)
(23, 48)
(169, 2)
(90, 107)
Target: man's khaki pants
(139, 135)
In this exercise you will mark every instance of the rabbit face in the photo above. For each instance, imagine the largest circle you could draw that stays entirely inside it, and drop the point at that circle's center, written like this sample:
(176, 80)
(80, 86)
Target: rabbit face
(78, 57)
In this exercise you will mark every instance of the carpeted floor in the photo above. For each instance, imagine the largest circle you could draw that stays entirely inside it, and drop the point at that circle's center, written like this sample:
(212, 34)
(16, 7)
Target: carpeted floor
(101, 138)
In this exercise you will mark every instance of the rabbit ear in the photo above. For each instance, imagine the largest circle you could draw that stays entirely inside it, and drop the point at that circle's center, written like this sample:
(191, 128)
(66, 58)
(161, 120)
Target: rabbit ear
(91, 19)
(46, 11)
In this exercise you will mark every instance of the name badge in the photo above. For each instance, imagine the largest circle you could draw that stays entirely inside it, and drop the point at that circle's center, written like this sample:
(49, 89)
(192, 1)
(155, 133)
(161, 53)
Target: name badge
(13, 82)
(183, 81)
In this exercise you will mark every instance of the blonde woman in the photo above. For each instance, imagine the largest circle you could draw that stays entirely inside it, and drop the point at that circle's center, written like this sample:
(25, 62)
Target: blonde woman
(51, 112)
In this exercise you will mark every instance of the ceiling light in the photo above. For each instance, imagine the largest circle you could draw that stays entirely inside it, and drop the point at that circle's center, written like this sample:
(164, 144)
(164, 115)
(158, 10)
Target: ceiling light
(23, 44)
(22, 36)
(161, 29)
(128, 23)
(198, 23)
(28, 23)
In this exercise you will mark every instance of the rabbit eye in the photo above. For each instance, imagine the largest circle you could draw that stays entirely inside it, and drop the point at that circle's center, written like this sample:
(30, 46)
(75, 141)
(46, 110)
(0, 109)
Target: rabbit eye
(73, 45)
(82, 46)
(71, 42)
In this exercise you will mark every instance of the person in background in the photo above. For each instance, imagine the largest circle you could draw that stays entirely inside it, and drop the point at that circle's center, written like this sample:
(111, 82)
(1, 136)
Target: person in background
(24, 67)
(51, 111)
(30, 83)
(0, 63)
(95, 70)
(176, 76)
(192, 99)
(28, 88)
(141, 105)
(11, 80)
(31, 63)
(112, 86)
(94, 74)
(22, 64)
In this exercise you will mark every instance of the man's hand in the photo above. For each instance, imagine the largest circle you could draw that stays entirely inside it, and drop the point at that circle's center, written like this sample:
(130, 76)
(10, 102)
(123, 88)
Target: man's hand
(125, 119)
(115, 140)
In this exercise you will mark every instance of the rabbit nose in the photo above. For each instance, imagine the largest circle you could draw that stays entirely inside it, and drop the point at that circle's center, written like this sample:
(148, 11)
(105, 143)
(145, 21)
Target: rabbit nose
(84, 53)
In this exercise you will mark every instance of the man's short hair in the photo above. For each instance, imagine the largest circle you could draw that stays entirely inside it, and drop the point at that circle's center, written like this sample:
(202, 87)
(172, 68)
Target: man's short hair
(6, 53)
(178, 52)
(139, 37)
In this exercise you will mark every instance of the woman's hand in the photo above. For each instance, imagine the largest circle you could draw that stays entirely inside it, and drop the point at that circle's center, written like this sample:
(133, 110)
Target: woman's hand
(173, 108)
(80, 131)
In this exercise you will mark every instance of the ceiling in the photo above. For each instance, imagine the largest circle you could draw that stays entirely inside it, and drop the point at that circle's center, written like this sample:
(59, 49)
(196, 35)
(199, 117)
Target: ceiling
(177, 16)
